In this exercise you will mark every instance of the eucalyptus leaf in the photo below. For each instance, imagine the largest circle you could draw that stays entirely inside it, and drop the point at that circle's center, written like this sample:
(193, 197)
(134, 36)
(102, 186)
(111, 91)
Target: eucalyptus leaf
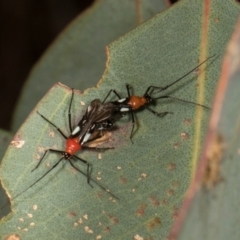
(5, 138)
(151, 176)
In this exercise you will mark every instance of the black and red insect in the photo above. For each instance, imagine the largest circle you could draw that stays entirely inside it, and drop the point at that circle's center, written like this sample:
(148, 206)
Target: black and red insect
(72, 146)
(133, 102)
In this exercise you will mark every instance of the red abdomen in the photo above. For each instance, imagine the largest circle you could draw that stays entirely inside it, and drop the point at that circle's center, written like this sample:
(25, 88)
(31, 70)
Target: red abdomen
(72, 146)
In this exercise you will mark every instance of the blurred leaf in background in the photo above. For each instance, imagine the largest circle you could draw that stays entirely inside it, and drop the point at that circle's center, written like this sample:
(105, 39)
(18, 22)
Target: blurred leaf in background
(78, 57)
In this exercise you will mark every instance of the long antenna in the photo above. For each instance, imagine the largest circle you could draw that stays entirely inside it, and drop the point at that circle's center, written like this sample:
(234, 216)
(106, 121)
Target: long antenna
(182, 100)
(166, 87)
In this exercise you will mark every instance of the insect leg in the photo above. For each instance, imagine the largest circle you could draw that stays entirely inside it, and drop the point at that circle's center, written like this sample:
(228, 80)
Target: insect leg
(58, 129)
(87, 175)
(94, 181)
(36, 181)
(46, 151)
(114, 91)
(88, 166)
(162, 114)
(69, 112)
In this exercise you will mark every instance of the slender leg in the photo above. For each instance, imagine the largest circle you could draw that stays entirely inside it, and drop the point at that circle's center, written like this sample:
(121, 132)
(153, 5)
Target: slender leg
(84, 161)
(153, 87)
(58, 129)
(131, 112)
(128, 89)
(97, 148)
(87, 175)
(48, 150)
(133, 124)
(69, 112)
(162, 114)
(94, 181)
(114, 91)
(38, 179)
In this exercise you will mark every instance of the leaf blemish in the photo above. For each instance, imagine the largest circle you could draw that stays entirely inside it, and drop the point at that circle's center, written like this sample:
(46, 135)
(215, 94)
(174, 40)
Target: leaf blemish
(170, 192)
(32, 224)
(41, 149)
(171, 166)
(75, 224)
(51, 134)
(141, 210)
(123, 180)
(187, 121)
(184, 136)
(153, 223)
(138, 237)
(17, 144)
(72, 214)
(113, 219)
(88, 230)
(214, 156)
(154, 201)
(35, 207)
(13, 237)
(176, 145)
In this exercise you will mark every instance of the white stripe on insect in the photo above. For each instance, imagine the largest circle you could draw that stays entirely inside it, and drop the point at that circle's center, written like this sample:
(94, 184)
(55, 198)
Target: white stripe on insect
(76, 130)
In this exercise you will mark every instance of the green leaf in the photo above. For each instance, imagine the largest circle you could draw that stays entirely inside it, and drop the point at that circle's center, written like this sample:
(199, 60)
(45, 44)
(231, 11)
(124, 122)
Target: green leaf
(78, 57)
(5, 138)
(151, 176)
(211, 205)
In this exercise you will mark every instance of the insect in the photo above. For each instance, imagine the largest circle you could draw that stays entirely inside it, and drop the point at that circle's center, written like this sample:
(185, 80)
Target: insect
(95, 118)
(133, 103)
(72, 146)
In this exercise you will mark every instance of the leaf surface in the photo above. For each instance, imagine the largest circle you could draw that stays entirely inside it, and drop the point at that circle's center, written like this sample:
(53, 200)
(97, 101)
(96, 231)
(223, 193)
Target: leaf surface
(151, 176)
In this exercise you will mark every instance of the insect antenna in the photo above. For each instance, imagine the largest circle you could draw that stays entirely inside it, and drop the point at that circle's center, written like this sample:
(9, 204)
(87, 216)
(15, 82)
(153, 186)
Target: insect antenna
(169, 85)
(182, 100)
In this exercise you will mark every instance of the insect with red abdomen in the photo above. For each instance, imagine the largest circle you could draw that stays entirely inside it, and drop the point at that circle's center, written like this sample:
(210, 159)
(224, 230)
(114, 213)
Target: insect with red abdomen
(133, 102)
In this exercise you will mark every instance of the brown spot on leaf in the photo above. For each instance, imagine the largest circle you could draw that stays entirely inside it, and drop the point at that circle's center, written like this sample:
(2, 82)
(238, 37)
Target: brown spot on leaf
(123, 180)
(175, 212)
(187, 121)
(170, 192)
(184, 136)
(214, 156)
(107, 229)
(113, 219)
(72, 214)
(154, 201)
(171, 166)
(155, 222)
(175, 185)
(164, 202)
(176, 145)
(141, 210)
